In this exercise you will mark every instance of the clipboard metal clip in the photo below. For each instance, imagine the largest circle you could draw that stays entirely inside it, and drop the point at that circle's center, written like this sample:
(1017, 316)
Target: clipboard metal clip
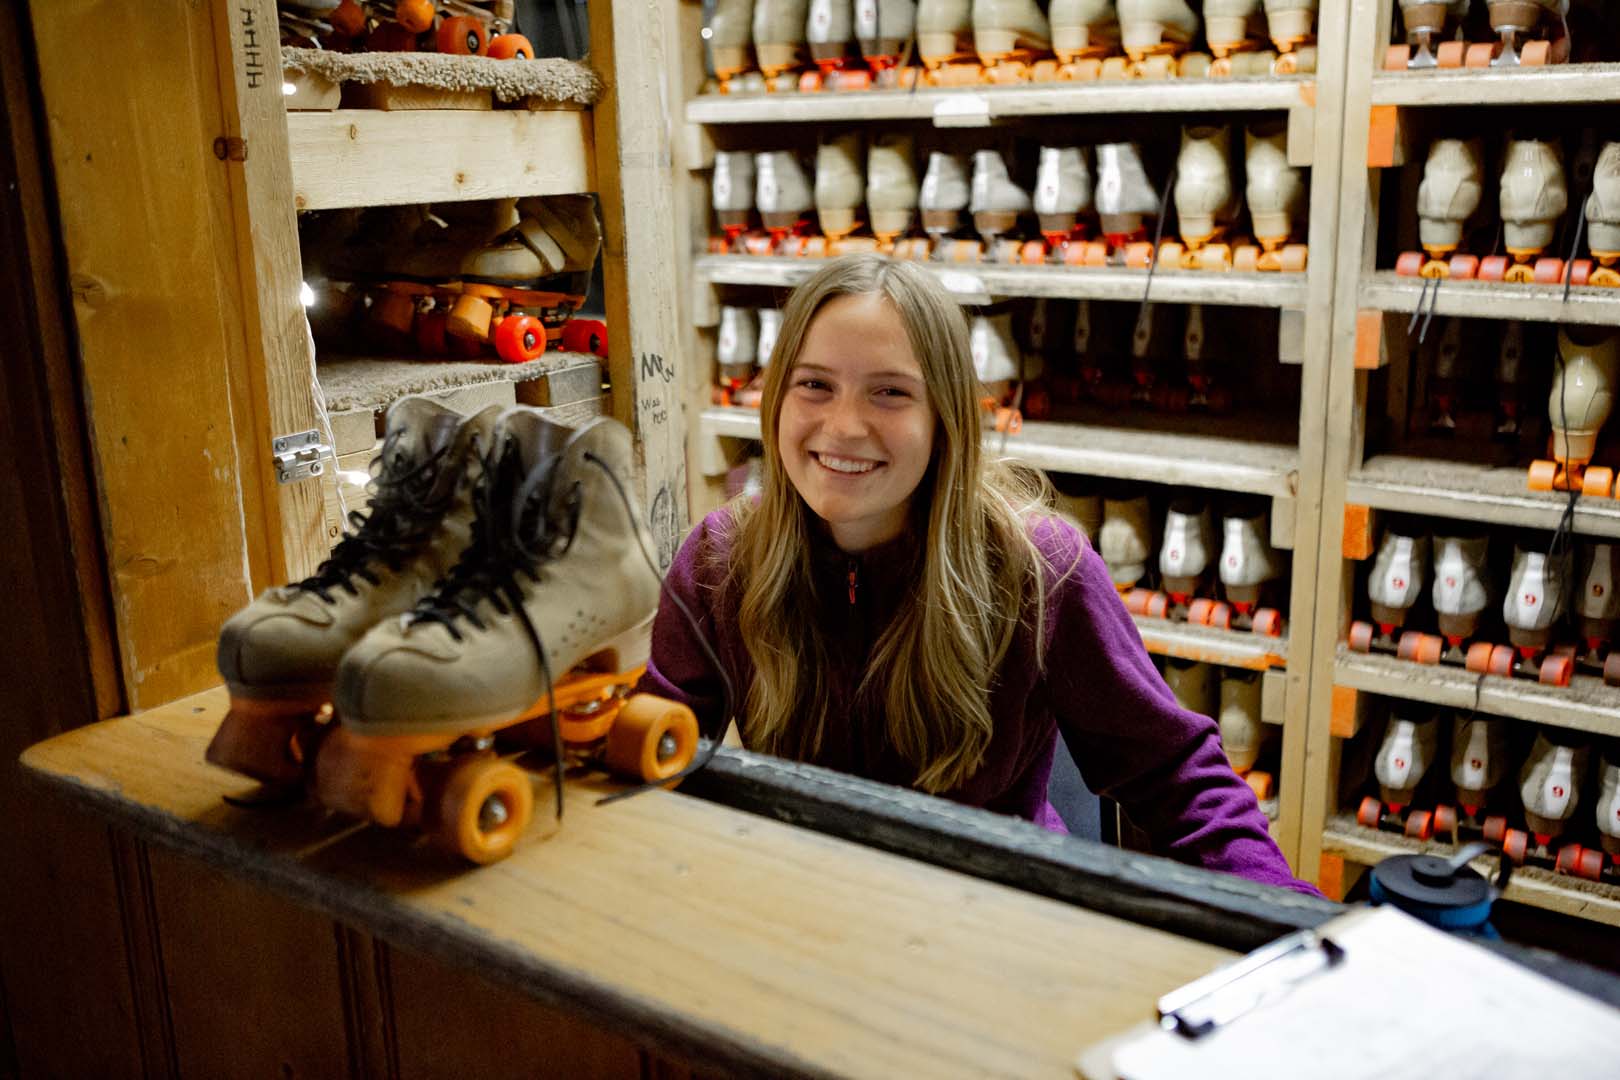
(1206, 1004)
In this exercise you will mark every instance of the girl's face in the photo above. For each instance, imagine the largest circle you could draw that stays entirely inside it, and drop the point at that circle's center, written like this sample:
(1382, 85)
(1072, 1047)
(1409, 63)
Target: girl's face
(856, 430)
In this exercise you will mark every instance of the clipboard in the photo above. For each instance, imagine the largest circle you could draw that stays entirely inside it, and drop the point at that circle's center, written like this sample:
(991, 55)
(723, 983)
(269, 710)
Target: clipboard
(1373, 993)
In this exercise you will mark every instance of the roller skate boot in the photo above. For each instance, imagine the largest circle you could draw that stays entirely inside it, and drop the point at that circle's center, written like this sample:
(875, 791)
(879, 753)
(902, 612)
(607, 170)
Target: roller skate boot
(891, 193)
(996, 204)
(943, 199)
(770, 325)
(1533, 32)
(1002, 369)
(1243, 735)
(1431, 36)
(736, 346)
(1608, 820)
(1292, 24)
(519, 641)
(1461, 593)
(830, 31)
(1195, 685)
(1410, 746)
(730, 34)
(1184, 556)
(1550, 785)
(1453, 180)
(1080, 501)
(732, 195)
(784, 199)
(1126, 203)
(1276, 196)
(279, 655)
(1236, 33)
(1602, 223)
(885, 31)
(1125, 540)
(1478, 763)
(1597, 605)
(1084, 34)
(1578, 406)
(839, 192)
(1535, 599)
(779, 44)
(1009, 36)
(945, 42)
(1534, 198)
(519, 292)
(1248, 566)
(1153, 33)
(1062, 198)
(1206, 204)
(1396, 583)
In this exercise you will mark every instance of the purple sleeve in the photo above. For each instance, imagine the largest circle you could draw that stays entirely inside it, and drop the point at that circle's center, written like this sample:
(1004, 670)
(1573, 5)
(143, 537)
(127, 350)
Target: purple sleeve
(1132, 741)
(680, 667)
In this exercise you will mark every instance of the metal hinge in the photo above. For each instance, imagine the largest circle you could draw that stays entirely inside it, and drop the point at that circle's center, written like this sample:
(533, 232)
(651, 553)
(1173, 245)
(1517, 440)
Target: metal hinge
(299, 456)
(230, 148)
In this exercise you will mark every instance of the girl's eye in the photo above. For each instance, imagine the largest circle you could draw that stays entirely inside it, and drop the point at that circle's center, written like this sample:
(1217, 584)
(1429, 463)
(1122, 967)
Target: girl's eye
(894, 391)
(812, 384)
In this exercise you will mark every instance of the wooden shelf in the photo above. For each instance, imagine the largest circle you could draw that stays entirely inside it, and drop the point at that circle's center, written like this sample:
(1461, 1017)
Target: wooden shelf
(1582, 84)
(967, 105)
(369, 157)
(1220, 464)
(1385, 290)
(1482, 493)
(979, 284)
(1228, 648)
(1587, 704)
(1528, 885)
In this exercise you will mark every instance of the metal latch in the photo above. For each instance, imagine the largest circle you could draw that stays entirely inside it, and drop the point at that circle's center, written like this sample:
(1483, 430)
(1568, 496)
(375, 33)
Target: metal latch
(299, 456)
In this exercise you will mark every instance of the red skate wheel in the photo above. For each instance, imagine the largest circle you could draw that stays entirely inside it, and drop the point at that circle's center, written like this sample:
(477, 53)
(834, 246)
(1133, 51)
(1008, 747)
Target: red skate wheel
(1463, 267)
(1549, 271)
(430, 336)
(1361, 636)
(1611, 668)
(1542, 475)
(1495, 828)
(1199, 611)
(414, 15)
(1427, 648)
(1445, 820)
(1590, 865)
(348, 19)
(1580, 272)
(1478, 659)
(1220, 617)
(1514, 844)
(1557, 670)
(462, 35)
(1268, 622)
(1569, 857)
(1410, 263)
(1502, 661)
(1493, 268)
(585, 336)
(1451, 54)
(1419, 825)
(1136, 601)
(518, 338)
(511, 47)
(1369, 812)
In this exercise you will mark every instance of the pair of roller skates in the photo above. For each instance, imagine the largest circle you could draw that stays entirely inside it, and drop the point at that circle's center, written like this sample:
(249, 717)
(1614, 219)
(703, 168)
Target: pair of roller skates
(1246, 565)
(1582, 396)
(1231, 698)
(810, 45)
(453, 27)
(462, 618)
(1445, 34)
(1208, 204)
(743, 347)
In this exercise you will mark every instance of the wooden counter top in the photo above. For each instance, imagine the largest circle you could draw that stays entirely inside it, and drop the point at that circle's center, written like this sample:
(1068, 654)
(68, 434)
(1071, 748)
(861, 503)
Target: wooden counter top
(731, 941)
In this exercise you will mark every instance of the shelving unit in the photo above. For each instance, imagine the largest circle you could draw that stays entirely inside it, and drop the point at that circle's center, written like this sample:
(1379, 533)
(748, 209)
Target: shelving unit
(1371, 306)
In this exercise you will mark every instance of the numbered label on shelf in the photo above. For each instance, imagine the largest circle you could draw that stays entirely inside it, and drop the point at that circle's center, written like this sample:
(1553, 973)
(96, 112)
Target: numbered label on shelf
(962, 110)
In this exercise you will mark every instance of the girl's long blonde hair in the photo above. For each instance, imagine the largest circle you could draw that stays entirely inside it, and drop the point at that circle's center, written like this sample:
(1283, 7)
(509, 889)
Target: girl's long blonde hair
(980, 576)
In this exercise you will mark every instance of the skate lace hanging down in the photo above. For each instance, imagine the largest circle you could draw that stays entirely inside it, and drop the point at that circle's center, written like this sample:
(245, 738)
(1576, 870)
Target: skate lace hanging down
(406, 507)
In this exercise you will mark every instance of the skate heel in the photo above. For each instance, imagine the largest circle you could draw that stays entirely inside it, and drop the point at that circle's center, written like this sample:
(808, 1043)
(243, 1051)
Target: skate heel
(1144, 37)
(938, 47)
(1292, 27)
(993, 45)
(1225, 33)
(628, 652)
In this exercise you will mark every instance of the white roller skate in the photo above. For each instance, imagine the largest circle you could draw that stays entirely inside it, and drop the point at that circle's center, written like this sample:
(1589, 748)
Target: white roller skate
(996, 204)
(770, 324)
(943, 199)
(1399, 572)
(1276, 196)
(1243, 734)
(1410, 746)
(1126, 203)
(1247, 568)
(1534, 198)
(891, 191)
(732, 196)
(1597, 605)
(1536, 593)
(1126, 540)
(1578, 406)
(839, 191)
(1009, 36)
(1550, 785)
(783, 195)
(1195, 685)
(735, 348)
(1062, 198)
(1453, 184)
(1478, 763)
(1184, 558)
(1206, 202)
(1084, 33)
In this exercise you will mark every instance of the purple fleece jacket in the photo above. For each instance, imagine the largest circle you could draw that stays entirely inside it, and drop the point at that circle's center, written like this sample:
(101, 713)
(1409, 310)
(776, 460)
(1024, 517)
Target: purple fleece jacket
(1131, 740)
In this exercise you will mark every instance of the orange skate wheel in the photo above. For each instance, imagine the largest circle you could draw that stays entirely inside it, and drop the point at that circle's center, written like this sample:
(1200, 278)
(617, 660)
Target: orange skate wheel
(1502, 661)
(394, 312)
(1198, 612)
(1535, 54)
(1419, 825)
(430, 337)
(1259, 783)
(519, 338)
(1170, 252)
(1548, 271)
(1495, 828)
(1410, 263)
(1580, 272)
(1268, 622)
(511, 47)
(1428, 649)
(1542, 475)
(1136, 601)
(585, 336)
(348, 19)
(1115, 67)
(1220, 616)
(1494, 268)
(1597, 481)
(1195, 65)
(462, 35)
(1246, 259)
(1294, 258)
(1514, 845)
(1478, 657)
(1369, 812)
(1590, 865)
(470, 318)
(1138, 256)
(1361, 636)
(1445, 820)
(414, 15)
(1479, 56)
(1557, 670)
(653, 739)
(1159, 606)
(1396, 57)
(1452, 54)
(486, 805)
(1569, 859)
(1463, 267)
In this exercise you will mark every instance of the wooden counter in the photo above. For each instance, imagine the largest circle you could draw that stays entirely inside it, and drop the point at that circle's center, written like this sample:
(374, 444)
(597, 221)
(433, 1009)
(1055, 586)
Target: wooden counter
(732, 942)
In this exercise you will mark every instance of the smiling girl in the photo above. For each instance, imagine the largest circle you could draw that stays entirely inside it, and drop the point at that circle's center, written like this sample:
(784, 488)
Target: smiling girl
(896, 607)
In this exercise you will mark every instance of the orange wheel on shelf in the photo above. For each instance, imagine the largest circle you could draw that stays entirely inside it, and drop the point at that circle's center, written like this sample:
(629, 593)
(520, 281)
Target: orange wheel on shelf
(1569, 856)
(1410, 263)
(1590, 865)
(462, 35)
(1406, 645)
(1220, 616)
(1369, 812)
(1445, 819)
(585, 336)
(1361, 636)
(1478, 657)
(511, 47)
(519, 338)
(394, 312)
(414, 15)
(348, 19)
(1136, 601)
(1494, 267)
(486, 805)
(1037, 404)
(1463, 267)
(1548, 271)
(1502, 662)
(1542, 475)
(470, 317)
(1597, 481)
(1158, 606)
(1514, 845)
(1535, 54)
(1451, 54)
(1427, 648)
(1419, 824)
(1580, 272)
(652, 739)
(1138, 256)
(1480, 55)
(1396, 57)
(1268, 622)
(1557, 670)
(1246, 259)
(1294, 258)
(1199, 611)
(1495, 828)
